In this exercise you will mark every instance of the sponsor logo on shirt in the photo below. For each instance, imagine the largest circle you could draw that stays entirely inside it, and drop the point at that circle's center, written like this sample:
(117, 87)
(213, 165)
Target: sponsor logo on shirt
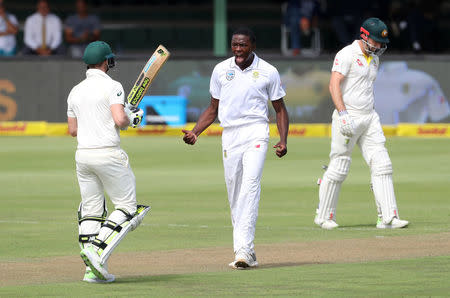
(230, 74)
(359, 62)
(119, 93)
(336, 62)
(255, 75)
(258, 146)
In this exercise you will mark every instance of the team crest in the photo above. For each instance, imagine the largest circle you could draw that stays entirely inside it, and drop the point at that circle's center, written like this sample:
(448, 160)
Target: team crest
(255, 75)
(384, 33)
(230, 74)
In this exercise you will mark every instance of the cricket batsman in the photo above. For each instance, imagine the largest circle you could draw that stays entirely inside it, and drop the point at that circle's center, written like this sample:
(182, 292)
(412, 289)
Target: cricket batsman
(95, 114)
(240, 88)
(354, 122)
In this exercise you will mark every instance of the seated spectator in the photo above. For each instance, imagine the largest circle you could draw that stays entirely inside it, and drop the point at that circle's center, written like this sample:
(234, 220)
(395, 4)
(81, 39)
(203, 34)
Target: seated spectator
(8, 30)
(301, 16)
(43, 32)
(81, 29)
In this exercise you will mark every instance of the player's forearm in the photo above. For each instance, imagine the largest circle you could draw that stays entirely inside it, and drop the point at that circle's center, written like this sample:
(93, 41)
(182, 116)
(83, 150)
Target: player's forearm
(283, 124)
(336, 96)
(205, 120)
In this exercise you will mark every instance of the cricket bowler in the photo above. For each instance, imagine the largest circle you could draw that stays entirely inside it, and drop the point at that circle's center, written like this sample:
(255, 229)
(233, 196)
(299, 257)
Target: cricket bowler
(95, 114)
(240, 89)
(355, 121)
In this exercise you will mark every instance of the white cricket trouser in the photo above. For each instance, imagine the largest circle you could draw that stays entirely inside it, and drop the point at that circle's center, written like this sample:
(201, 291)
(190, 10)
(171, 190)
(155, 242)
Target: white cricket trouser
(370, 138)
(105, 170)
(244, 153)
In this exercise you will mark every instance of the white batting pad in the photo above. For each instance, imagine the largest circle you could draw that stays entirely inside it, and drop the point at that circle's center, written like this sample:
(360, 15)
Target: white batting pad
(330, 187)
(383, 186)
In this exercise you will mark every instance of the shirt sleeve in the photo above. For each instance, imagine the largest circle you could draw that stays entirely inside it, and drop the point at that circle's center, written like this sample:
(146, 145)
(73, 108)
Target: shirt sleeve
(70, 111)
(12, 18)
(275, 89)
(69, 23)
(96, 23)
(341, 63)
(28, 36)
(117, 95)
(56, 32)
(214, 84)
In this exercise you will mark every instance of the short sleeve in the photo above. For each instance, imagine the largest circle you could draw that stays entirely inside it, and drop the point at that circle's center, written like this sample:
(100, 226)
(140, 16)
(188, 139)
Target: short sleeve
(70, 111)
(95, 23)
(117, 95)
(341, 63)
(69, 22)
(275, 89)
(12, 18)
(214, 84)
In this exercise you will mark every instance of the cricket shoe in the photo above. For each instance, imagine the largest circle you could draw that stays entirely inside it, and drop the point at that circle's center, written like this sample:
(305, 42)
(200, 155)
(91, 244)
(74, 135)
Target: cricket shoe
(90, 277)
(394, 224)
(244, 260)
(327, 224)
(92, 260)
(138, 217)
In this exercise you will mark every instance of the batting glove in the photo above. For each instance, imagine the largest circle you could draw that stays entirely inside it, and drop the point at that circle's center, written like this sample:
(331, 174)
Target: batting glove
(134, 114)
(346, 124)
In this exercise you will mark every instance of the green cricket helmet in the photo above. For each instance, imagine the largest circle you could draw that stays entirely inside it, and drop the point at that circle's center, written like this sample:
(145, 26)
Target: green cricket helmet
(97, 52)
(375, 29)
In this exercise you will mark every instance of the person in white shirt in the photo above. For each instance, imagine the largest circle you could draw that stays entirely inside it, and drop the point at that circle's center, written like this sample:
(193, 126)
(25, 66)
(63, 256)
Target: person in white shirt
(8, 30)
(95, 113)
(43, 32)
(240, 89)
(356, 122)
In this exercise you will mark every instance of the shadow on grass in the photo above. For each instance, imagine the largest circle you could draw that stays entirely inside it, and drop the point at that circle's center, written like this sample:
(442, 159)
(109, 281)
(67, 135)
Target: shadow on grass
(369, 225)
(289, 264)
(147, 279)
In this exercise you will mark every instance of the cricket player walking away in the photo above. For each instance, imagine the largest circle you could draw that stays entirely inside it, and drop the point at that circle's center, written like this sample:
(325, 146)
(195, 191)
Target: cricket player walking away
(240, 88)
(95, 114)
(356, 122)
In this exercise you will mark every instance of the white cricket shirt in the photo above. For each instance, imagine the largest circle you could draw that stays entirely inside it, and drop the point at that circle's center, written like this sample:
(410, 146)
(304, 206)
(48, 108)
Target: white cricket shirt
(360, 72)
(90, 103)
(7, 42)
(244, 94)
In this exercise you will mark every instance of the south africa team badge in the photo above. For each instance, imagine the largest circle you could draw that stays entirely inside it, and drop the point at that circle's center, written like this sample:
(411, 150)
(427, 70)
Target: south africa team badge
(230, 74)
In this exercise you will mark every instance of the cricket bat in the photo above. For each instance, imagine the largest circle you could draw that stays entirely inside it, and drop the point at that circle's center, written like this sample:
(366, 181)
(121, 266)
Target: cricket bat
(147, 75)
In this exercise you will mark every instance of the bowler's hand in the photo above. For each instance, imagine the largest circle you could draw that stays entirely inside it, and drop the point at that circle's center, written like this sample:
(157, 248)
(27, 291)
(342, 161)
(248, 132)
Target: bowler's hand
(281, 149)
(189, 137)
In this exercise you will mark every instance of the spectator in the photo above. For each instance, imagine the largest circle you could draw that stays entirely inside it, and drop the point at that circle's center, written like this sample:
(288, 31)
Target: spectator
(81, 29)
(346, 17)
(43, 32)
(301, 16)
(8, 30)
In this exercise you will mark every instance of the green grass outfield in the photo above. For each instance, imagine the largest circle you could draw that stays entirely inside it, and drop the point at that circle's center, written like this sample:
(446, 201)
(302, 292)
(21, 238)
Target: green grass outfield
(185, 187)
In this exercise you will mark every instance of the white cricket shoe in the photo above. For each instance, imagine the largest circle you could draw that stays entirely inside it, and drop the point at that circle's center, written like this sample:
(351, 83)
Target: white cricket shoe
(394, 224)
(92, 260)
(329, 224)
(243, 260)
(90, 277)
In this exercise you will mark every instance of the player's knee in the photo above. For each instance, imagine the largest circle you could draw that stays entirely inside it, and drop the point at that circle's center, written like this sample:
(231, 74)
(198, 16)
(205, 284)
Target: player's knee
(380, 163)
(338, 168)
